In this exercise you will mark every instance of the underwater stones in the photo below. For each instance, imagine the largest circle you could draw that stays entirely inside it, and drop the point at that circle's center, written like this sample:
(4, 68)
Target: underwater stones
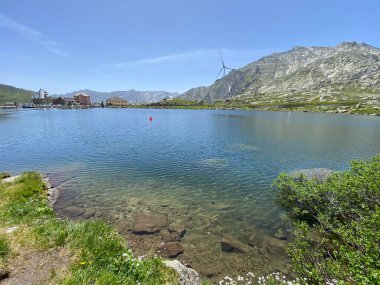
(315, 173)
(149, 223)
(172, 249)
(231, 244)
(98, 214)
(167, 236)
(123, 226)
(280, 235)
(177, 230)
(274, 246)
(73, 211)
(89, 213)
(187, 276)
(252, 241)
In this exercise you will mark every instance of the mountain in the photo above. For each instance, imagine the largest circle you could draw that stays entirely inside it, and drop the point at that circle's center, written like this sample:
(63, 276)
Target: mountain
(302, 73)
(10, 94)
(132, 96)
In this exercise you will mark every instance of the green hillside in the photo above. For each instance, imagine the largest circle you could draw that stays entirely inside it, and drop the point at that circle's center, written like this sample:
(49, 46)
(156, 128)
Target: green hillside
(10, 94)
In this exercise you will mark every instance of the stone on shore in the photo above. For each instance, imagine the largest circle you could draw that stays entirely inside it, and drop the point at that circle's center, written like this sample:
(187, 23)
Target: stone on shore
(187, 276)
(4, 273)
(73, 211)
(252, 240)
(149, 223)
(231, 244)
(167, 236)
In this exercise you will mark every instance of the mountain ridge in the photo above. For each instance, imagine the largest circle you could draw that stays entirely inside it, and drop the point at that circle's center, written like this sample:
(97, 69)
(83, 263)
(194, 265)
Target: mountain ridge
(298, 70)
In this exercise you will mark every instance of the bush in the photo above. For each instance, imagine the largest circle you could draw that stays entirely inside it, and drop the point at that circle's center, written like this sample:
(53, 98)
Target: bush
(337, 236)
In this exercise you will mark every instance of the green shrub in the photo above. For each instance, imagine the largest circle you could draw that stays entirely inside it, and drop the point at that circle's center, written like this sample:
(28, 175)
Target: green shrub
(337, 235)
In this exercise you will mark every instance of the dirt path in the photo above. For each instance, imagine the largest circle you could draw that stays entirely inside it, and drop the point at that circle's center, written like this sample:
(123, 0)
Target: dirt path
(36, 268)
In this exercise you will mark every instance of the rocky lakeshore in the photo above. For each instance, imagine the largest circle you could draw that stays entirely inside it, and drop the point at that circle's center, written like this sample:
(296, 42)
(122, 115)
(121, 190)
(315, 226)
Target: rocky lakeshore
(184, 231)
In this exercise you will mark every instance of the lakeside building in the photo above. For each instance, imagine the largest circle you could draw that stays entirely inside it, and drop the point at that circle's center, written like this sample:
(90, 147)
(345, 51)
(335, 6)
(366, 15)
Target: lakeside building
(82, 99)
(69, 100)
(117, 101)
(39, 98)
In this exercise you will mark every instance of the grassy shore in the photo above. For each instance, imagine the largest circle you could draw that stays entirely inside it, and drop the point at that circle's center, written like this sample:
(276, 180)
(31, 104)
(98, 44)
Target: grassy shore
(94, 252)
(347, 106)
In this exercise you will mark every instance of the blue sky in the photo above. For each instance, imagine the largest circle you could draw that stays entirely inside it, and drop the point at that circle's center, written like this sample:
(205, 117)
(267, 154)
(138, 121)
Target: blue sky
(170, 45)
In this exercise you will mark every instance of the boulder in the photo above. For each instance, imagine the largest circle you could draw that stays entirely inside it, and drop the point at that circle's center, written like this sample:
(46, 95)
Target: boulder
(231, 244)
(187, 276)
(167, 236)
(89, 213)
(73, 211)
(149, 223)
(172, 249)
(123, 226)
(274, 246)
(177, 230)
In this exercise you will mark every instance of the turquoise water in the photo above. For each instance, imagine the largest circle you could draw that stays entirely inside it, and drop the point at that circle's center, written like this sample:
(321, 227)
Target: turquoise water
(208, 170)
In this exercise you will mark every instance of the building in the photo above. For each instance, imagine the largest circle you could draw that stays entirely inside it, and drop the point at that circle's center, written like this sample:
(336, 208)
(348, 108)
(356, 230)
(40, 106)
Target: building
(40, 94)
(82, 99)
(117, 101)
(69, 101)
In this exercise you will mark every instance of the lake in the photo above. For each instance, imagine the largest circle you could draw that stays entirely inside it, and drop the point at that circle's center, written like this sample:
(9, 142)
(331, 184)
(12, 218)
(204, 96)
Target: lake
(208, 171)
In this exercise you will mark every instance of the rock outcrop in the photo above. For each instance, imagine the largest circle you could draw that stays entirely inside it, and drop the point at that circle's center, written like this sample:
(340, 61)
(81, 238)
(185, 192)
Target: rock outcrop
(325, 71)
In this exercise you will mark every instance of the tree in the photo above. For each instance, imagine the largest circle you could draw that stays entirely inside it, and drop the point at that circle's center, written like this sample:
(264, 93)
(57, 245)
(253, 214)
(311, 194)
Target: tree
(59, 101)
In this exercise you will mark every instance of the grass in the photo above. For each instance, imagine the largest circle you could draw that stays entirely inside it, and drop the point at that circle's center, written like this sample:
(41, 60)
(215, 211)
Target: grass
(10, 94)
(98, 253)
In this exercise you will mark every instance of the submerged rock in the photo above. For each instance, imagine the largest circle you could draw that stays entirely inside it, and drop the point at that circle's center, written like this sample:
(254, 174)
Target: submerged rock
(177, 230)
(315, 173)
(73, 211)
(231, 244)
(149, 223)
(280, 235)
(252, 241)
(167, 236)
(274, 246)
(187, 276)
(172, 249)
(89, 213)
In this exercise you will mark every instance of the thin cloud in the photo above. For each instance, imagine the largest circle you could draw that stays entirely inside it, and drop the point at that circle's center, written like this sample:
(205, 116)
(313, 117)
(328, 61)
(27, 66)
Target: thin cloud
(191, 55)
(32, 35)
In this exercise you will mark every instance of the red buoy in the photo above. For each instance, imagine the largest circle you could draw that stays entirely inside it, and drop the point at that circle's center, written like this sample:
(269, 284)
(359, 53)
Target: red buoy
(150, 118)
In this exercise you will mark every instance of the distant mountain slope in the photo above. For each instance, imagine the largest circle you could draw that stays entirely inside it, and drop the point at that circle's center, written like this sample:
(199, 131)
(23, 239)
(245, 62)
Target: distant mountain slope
(301, 71)
(10, 94)
(132, 96)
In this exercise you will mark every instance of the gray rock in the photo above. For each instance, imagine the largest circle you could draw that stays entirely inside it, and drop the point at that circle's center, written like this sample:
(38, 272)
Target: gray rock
(321, 71)
(231, 244)
(149, 223)
(187, 276)
(73, 211)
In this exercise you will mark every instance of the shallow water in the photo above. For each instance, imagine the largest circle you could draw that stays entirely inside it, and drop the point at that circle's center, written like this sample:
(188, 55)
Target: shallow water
(210, 171)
